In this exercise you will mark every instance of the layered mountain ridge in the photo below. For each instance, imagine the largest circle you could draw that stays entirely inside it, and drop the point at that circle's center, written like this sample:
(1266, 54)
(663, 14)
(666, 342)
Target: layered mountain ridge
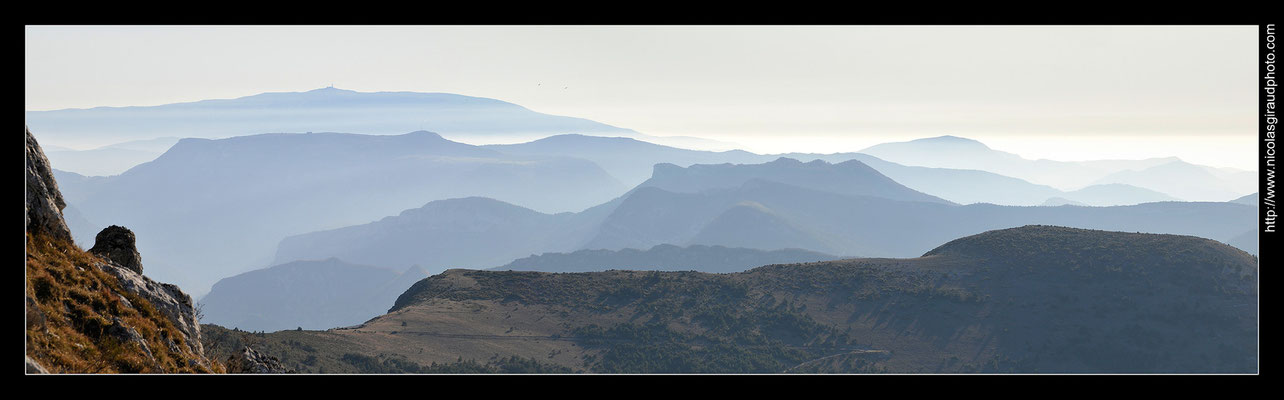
(759, 211)
(221, 206)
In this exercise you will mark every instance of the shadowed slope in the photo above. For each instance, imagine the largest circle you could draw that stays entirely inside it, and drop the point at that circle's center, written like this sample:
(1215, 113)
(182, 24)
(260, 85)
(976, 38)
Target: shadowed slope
(1029, 299)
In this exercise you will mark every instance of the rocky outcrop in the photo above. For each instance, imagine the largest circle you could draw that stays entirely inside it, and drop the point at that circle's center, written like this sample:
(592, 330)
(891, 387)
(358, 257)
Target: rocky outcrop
(177, 306)
(116, 243)
(117, 256)
(44, 201)
(250, 361)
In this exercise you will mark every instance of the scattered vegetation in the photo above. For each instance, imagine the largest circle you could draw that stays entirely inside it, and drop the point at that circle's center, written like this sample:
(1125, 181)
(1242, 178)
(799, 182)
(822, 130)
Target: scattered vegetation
(72, 307)
(504, 365)
(1033, 299)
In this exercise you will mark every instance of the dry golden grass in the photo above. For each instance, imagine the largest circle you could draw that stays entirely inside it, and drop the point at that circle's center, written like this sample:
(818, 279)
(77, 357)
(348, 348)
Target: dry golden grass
(74, 304)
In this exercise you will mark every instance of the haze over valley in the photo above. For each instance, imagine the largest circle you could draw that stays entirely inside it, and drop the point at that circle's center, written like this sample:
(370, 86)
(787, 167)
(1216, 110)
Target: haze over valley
(504, 221)
(417, 199)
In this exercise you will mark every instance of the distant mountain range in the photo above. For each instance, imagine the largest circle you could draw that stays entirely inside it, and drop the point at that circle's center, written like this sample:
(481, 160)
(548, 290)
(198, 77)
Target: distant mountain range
(966, 186)
(1164, 175)
(1187, 181)
(112, 159)
(629, 160)
(962, 153)
(315, 294)
(481, 233)
(632, 162)
(665, 257)
(293, 184)
(852, 178)
(142, 129)
(320, 110)
(219, 207)
(1033, 299)
(731, 255)
(473, 232)
(872, 226)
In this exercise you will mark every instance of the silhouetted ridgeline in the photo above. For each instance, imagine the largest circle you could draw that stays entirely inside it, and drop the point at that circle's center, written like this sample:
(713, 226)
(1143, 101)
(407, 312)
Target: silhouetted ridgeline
(666, 257)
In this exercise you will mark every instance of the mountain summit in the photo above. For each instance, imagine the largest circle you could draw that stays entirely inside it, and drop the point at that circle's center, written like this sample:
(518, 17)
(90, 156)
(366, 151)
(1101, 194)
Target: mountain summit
(852, 178)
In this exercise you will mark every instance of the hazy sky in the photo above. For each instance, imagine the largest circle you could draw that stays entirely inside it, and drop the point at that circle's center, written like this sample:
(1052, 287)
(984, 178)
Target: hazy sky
(1068, 93)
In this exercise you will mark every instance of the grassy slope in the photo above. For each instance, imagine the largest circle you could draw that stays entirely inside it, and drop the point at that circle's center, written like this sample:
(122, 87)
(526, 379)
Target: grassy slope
(1033, 299)
(70, 305)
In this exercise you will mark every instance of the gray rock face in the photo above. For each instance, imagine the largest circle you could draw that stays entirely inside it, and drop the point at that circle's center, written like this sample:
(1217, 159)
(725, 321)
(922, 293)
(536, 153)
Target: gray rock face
(34, 367)
(44, 201)
(250, 361)
(116, 243)
(166, 298)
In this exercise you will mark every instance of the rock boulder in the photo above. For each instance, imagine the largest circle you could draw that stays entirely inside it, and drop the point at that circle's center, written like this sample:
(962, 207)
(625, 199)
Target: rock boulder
(117, 243)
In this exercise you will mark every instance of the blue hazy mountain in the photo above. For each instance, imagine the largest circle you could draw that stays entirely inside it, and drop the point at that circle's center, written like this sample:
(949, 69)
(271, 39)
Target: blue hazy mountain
(75, 188)
(630, 160)
(83, 231)
(880, 227)
(1248, 199)
(703, 210)
(321, 110)
(749, 224)
(957, 169)
(78, 186)
(219, 207)
(848, 177)
(100, 161)
(967, 186)
(481, 233)
(665, 257)
(1187, 181)
(1061, 201)
(316, 294)
(1246, 241)
(473, 232)
(961, 153)
(111, 159)
(1116, 194)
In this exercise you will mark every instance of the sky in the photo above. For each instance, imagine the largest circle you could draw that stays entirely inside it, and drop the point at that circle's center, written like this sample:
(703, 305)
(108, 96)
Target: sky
(1056, 92)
